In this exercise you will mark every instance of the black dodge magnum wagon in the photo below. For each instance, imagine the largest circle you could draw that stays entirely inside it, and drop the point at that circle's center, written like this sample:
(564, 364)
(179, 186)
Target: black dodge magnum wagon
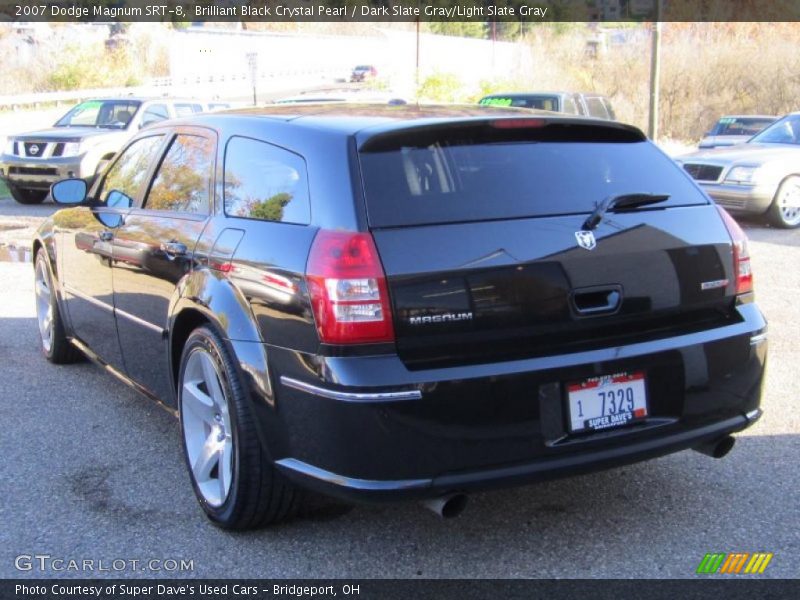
(404, 302)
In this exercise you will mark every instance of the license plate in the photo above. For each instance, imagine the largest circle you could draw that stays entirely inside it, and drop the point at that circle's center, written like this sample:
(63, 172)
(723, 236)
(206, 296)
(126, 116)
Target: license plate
(607, 401)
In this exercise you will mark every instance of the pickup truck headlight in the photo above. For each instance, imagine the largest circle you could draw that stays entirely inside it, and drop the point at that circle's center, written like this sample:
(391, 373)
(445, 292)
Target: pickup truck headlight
(71, 149)
(10, 147)
(742, 175)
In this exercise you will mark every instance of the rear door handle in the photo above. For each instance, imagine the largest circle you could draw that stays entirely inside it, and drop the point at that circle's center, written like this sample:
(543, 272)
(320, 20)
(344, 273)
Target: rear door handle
(174, 249)
(597, 300)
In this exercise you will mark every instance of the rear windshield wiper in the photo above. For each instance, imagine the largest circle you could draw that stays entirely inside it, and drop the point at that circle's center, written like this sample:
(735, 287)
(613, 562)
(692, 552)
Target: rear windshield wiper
(622, 201)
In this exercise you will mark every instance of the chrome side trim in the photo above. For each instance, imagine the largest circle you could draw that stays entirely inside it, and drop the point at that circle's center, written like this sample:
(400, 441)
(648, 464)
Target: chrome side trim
(757, 339)
(89, 299)
(351, 396)
(299, 467)
(146, 324)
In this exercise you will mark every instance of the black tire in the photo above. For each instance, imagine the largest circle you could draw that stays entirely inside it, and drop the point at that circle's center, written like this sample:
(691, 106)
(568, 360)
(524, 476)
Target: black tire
(57, 349)
(778, 214)
(258, 494)
(28, 196)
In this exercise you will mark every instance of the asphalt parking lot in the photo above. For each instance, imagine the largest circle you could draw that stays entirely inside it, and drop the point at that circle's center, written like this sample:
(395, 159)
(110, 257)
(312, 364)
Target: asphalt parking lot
(92, 470)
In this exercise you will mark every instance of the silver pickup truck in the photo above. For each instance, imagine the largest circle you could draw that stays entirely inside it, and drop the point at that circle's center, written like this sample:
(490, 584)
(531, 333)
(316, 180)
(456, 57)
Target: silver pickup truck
(83, 141)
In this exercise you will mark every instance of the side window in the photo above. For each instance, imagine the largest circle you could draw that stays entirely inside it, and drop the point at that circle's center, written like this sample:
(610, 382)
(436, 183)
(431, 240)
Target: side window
(611, 114)
(155, 113)
(127, 174)
(265, 182)
(596, 107)
(185, 109)
(569, 105)
(117, 114)
(183, 181)
(580, 103)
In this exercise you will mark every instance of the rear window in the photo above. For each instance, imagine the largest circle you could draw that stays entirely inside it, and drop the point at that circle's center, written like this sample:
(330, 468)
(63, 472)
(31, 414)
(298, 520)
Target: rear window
(183, 109)
(538, 102)
(596, 107)
(484, 173)
(740, 126)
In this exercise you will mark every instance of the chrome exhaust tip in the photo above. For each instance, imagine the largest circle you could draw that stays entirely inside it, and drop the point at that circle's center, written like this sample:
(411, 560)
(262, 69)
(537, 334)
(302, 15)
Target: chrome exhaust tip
(716, 448)
(447, 506)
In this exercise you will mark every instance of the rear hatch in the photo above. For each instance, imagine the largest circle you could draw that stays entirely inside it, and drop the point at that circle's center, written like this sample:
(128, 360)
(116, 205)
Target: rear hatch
(480, 229)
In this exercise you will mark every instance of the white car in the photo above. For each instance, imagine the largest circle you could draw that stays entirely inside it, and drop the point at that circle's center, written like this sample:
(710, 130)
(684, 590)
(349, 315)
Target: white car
(761, 176)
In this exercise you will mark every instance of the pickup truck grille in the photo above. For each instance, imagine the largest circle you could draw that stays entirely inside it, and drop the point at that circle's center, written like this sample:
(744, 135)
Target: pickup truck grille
(35, 149)
(703, 172)
(32, 171)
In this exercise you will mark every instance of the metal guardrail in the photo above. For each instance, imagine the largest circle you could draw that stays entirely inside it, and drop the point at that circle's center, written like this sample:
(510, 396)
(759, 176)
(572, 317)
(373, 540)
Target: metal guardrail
(160, 86)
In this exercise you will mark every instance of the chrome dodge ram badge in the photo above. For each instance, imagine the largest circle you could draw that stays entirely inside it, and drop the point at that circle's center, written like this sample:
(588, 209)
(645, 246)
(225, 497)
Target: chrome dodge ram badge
(586, 239)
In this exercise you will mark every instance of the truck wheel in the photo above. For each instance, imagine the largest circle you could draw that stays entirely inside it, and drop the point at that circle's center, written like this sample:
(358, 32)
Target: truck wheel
(785, 209)
(27, 196)
(233, 478)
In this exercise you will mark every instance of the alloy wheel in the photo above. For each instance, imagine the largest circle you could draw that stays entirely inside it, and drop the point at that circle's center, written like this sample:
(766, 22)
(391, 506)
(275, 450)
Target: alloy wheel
(789, 202)
(44, 305)
(207, 427)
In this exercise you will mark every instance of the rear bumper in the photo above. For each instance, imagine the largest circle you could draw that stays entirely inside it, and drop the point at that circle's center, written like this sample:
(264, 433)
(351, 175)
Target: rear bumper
(372, 490)
(368, 429)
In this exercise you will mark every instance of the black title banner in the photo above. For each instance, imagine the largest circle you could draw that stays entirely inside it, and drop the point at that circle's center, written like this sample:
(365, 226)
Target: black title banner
(394, 589)
(534, 11)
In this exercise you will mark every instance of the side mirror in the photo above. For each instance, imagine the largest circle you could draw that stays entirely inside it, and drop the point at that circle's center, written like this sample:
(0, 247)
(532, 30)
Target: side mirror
(69, 191)
(114, 199)
(117, 199)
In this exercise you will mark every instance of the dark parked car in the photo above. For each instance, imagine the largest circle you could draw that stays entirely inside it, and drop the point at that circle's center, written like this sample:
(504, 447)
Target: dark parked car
(363, 73)
(571, 103)
(404, 302)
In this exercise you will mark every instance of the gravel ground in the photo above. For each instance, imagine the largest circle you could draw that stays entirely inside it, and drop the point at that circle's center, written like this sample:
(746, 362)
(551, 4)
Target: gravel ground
(92, 470)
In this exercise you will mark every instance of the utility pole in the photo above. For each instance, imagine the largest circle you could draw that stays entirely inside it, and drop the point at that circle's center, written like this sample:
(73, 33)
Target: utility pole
(416, 67)
(655, 68)
(252, 63)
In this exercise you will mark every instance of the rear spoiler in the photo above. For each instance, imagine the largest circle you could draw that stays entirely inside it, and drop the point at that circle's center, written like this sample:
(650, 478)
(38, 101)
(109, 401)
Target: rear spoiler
(495, 130)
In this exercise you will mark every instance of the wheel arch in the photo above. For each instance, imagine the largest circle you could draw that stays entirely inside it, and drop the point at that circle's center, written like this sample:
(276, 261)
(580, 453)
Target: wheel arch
(36, 246)
(46, 244)
(783, 180)
(207, 298)
(772, 210)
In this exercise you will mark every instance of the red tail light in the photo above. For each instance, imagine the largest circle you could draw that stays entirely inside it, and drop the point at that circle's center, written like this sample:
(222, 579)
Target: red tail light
(741, 254)
(518, 123)
(348, 289)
